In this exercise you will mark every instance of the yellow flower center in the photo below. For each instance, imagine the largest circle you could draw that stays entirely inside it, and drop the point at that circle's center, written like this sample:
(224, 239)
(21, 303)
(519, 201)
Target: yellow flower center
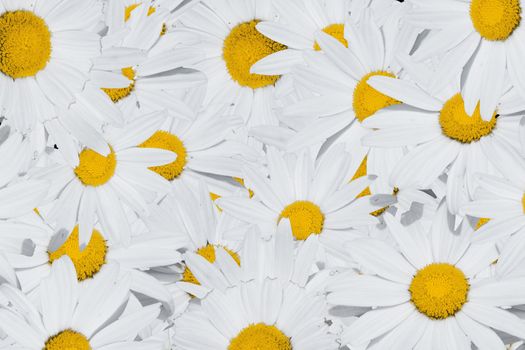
(242, 48)
(208, 253)
(87, 262)
(337, 31)
(117, 94)
(95, 169)
(360, 172)
(130, 8)
(523, 202)
(261, 337)
(368, 100)
(481, 222)
(458, 125)
(165, 140)
(305, 218)
(25, 44)
(495, 19)
(67, 340)
(439, 290)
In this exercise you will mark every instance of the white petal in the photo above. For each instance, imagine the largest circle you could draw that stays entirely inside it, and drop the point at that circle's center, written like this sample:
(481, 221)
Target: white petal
(278, 63)
(381, 259)
(59, 295)
(405, 91)
(146, 156)
(483, 337)
(495, 318)
(369, 291)
(376, 323)
(126, 327)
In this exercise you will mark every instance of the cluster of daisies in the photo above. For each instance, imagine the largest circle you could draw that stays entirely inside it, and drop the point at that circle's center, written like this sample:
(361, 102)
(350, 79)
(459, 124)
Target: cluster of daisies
(262, 174)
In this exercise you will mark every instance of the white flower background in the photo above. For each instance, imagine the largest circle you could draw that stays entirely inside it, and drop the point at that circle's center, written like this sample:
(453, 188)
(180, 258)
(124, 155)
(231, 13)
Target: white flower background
(262, 174)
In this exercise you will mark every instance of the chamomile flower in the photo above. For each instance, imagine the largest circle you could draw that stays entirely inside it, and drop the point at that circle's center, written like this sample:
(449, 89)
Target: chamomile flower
(99, 183)
(138, 64)
(192, 219)
(482, 38)
(429, 292)
(502, 200)
(298, 21)
(336, 94)
(206, 146)
(279, 257)
(442, 137)
(45, 56)
(32, 247)
(262, 313)
(335, 74)
(71, 317)
(228, 36)
(314, 195)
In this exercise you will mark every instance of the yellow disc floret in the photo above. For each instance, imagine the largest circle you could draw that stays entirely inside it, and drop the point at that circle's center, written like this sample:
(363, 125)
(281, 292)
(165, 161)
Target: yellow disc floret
(337, 31)
(208, 253)
(360, 172)
(165, 140)
(87, 262)
(367, 100)
(495, 19)
(439, 290)
(95, 169)
(67, 340)
(130, 8)
(151, 10)
(117, 94)
(458, 125)
(261, 337)
(25, 44)
(305, 218)
(523, 203)
(481, 222)
(242, 48)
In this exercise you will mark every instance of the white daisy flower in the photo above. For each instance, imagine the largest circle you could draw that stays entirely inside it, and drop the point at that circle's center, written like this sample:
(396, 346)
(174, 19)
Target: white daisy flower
(502, 200)
(282, 312)
(279, 257)
(136, 67)
(260, 315)
(228, 36)
(429, 292)
(32, 247)
(100, 182)
(192, 219)
(314, 195)
(22, 196)
(440, 135)
(45, 54)
(71, 317)
(482, 39)
(206, 146)
(332, 76)
(298, 21)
